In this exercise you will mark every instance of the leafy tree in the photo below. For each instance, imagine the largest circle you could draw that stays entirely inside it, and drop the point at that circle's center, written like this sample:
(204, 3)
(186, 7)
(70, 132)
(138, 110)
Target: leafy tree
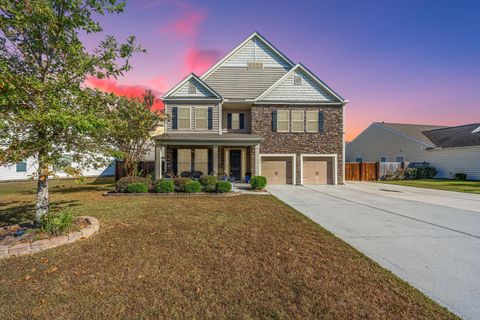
(132, 124)
(45, 108)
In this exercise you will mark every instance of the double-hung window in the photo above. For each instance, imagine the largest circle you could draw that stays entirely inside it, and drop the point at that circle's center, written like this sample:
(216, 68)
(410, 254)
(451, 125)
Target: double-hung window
(201, 118)
(297, 121)
(183, 117)
(184, 163)
(201, 160)
(283, 121)
(312, 121)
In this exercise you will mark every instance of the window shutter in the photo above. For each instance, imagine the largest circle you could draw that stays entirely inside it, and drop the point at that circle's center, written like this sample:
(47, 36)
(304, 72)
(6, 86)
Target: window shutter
(174, 118)
(242, 120)
(210, 118)
(321, 126)
(229, 121)
(274, 121)
(174, 161)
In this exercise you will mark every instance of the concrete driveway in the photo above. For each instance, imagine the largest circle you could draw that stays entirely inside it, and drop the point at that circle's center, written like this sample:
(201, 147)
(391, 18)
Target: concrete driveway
(429, 238)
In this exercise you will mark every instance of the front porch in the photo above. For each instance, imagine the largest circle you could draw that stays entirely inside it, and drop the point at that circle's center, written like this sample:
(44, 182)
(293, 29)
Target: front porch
(236, 155)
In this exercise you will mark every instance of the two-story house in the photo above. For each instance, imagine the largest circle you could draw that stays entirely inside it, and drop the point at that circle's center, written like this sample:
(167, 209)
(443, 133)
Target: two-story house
(254, 112)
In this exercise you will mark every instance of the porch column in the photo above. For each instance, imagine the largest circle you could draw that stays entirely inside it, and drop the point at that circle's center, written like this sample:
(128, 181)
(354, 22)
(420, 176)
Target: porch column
(257, 159)
(158, 162)
(226, 162)
(215, 160)
(243, 155)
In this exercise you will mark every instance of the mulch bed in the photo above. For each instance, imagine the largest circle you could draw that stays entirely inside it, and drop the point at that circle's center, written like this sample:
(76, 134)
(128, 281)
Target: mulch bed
(27, 232)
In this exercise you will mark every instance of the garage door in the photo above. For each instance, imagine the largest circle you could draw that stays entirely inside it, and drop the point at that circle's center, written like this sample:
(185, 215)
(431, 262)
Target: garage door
(318, 170)
(277, 170)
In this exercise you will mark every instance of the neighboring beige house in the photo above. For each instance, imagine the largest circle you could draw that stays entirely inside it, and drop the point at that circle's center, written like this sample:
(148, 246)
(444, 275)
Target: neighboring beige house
(450, 149)
(255, 112)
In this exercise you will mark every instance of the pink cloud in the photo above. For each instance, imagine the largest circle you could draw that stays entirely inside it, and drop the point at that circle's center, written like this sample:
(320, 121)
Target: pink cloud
(187, 25)
(198, 60)
(129, 91)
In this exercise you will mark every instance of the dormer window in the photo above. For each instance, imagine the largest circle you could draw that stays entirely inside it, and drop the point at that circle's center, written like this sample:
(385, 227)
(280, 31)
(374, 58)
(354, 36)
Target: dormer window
(297, 80)
(192, 89)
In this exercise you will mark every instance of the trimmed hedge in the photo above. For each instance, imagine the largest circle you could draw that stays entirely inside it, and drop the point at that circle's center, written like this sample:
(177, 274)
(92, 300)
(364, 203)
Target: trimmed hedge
(165, 186)
(192, 186)
(420, 173)
(223, 186)
(137, 187)
(258, 182)
(122, 184)
(209, 183)
(461, 176)
(180, 183)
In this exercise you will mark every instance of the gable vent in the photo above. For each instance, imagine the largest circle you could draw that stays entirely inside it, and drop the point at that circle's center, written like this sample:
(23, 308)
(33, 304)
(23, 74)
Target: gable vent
(255, 65)
(297, 80)
(192, 89)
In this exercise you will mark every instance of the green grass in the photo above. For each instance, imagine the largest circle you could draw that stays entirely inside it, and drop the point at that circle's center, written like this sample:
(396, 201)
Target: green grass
(440, 184)
(245, 257)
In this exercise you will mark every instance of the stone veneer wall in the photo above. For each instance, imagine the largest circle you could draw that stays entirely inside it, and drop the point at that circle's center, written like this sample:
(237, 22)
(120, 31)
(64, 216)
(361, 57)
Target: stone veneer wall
(328, 142)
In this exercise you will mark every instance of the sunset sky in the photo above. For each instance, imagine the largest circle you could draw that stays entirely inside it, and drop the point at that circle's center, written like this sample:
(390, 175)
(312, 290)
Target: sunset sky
(396, 61)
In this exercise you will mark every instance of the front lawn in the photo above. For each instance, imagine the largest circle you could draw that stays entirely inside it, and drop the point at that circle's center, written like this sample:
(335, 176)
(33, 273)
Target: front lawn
(245, 257)
(440, 184)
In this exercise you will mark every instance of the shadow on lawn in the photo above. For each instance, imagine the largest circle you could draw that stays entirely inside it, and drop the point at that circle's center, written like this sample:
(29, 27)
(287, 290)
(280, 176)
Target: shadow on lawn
(14, 212)
(62, 187)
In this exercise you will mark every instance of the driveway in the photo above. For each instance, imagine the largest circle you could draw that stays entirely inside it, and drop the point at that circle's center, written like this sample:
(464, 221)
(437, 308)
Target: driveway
(433, 245)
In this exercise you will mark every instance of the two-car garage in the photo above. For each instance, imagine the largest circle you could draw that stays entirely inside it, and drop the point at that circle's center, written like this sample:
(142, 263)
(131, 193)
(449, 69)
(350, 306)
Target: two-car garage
(314, 168)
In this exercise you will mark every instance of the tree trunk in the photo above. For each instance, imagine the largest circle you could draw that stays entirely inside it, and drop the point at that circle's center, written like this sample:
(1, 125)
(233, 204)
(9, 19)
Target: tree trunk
(42, 204)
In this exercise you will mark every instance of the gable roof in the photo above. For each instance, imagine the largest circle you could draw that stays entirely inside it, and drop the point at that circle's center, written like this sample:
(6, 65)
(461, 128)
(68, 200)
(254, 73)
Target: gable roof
(254, 36)
(322, 93)
(460, 136)
(413, 131)
(204, 90)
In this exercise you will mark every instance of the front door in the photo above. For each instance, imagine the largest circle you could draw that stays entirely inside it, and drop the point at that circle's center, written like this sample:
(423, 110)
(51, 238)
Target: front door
(236, 163)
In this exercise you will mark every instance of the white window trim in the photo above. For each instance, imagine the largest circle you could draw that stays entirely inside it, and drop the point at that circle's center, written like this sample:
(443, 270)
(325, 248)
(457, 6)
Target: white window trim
(399, 155)
(288, 121)
(195, 120)
(303, 121)
(189, 118)
(387, 159)
(315, 121)
(196, 162)
(237, 113)
(178, 160)
(310, 155)
(359, 157)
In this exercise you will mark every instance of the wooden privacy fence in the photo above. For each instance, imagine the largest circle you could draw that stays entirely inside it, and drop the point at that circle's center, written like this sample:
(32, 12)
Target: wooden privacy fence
(361, 171)
(144, 169)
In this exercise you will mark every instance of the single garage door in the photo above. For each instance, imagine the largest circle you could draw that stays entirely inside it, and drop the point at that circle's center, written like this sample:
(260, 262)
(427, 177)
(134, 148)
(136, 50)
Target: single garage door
(277, 170)
(318, 170)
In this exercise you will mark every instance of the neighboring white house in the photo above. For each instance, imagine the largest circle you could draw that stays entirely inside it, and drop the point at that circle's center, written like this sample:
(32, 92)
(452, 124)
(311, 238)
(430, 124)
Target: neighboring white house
(25, 169)
(450, 149)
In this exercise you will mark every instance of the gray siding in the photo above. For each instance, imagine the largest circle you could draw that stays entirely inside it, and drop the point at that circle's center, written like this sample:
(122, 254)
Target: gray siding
(377, 141)
(248, 120)
(202, 92)
(168, 111)
(308, 90)
(256, 50)
(241, 83)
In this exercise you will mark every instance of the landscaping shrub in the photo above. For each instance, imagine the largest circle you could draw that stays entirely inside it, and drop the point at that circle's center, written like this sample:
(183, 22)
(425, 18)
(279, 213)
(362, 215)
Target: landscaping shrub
(209, 183)
(165, 186)
(137, 187)
(223, 186)
(461, 176)
(56, 224)
(420, 173)
(121, 185)
(192, 186)
(258, 182)
(180, 183)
